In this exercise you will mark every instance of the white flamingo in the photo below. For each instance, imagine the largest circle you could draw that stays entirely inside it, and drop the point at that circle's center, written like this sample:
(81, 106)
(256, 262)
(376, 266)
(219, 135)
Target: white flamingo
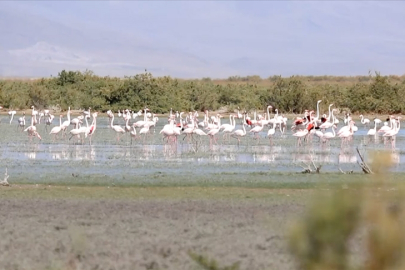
(21, 122)
(364, 121)
(228, 129)
(271, 132)
(57, 129)
(118, 129)
(11, 113)
(372, 131)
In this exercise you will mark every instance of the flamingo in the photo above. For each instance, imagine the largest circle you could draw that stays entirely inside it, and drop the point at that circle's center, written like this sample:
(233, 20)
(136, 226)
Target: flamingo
(317, 111)
(144, 130)
(384, 128)
(34, 112)
(199, 132)
(77, 131)
(346, 133)
(364, 121)
(256, 131)
(373, 131)
(49, 120)
(329, 122)
(57, 129)
(329, 135)
(271, 132)
(32, 130)
(189, 131)
(393, 132)
(228, 129)
(21, 122)
(127, 126)
(212, 132)
(11, 113)
(377, 121)
(87, 113)
(223, 126)
(239, 115)
(300, 134)
(168, 130)
(118, 129)
(239, 133)
(152, 123)
(66, 123)
(141, 123)
(133, 133)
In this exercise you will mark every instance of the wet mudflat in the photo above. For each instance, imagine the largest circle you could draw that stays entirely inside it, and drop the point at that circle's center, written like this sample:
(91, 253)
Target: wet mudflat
(47, 227)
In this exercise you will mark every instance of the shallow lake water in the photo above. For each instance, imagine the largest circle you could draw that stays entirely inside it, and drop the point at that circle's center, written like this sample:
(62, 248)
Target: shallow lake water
(150, 159)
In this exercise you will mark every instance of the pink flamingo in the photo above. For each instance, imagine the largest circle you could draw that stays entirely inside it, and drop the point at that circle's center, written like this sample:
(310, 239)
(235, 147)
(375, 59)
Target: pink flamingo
(256, 131)
(32, 130)
(300, 134)
(92, 128)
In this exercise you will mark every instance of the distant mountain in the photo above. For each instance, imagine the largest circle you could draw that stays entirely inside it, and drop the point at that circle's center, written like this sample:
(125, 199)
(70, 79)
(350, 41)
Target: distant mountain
(35, 46)
(214, 39)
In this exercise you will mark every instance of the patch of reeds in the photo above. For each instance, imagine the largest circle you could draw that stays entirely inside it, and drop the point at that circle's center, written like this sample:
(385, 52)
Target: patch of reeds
(320, 238)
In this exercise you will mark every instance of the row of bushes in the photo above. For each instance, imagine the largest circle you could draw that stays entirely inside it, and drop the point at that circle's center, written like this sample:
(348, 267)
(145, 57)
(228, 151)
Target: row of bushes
(378, 94)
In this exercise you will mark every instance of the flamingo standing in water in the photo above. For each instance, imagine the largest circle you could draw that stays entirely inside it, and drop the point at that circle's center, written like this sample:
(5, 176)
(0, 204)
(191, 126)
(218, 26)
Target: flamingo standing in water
(133, 133)
(329, 135)
(168, 130)
(57, 129)
(11, 113)
(214, 131)
(300, 134)
(345, 134)
(66, 123)
(372, 131)
(118, 129)
(49, 120)
(393, 132)
(240, 132)
(256, 131)
(198, 131)
(32, 130)
(364, 121)
(21, 122)
(228, 129)
(144, 131)
(271, 132)
(92, 128)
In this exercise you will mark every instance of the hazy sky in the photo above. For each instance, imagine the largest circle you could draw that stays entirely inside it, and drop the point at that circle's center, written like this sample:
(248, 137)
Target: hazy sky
(249, 37)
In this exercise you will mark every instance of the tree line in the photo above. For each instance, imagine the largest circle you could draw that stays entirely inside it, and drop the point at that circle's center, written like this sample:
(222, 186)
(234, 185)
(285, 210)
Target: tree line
(363, 94)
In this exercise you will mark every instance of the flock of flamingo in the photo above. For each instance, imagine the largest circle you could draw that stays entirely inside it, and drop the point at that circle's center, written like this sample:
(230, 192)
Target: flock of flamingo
(304, 128)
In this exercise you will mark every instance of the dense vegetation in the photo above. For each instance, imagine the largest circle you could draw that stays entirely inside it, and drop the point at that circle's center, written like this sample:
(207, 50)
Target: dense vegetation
(361, 94)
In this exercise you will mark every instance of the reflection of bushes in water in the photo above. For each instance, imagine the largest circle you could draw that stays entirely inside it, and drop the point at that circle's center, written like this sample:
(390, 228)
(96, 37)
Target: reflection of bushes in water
(320, 239)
